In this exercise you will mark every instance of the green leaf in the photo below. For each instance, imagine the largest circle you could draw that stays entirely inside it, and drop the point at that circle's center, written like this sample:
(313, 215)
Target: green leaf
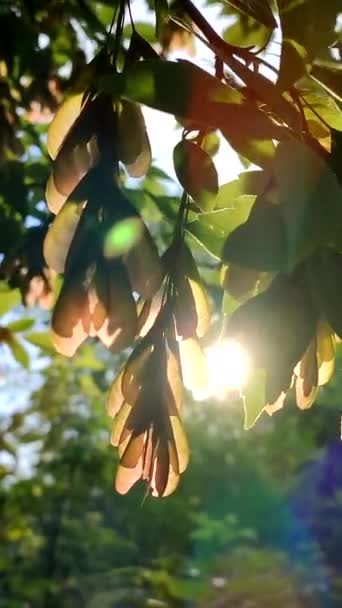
(249, 183)
(168, 205)
(310, 200)
(145, 30)
(260, 10)
(8, 298)
(260, 242)
(196, 173)
(307, 213)
(292, 64)
(254, 398)
(229, 304)
(180, 88)
(325, 107)
(20, 325)
(330, 78)
(309, 24)
(161, 9)
(41, 339)
(86, 359)
(211, 229)
(246, 32)
(18, 351)
(187, 91)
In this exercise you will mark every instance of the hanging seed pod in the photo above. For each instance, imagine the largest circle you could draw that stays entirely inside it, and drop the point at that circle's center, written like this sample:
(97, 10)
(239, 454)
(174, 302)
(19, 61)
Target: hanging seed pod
(71, 317)
(79, 151)
(148, 311)
(307, 378)
(194, 365)
(147, 428)
(115, 399)
(134, 148)
(54, 199)
(144, 266)
(92, 136)
(113, 289)
(191, 305)
(326, 348)
(62, 122)
(60, 234)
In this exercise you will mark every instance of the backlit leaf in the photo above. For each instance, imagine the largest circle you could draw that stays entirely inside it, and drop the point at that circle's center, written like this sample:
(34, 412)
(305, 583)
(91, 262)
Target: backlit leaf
(41, 339)
(211, 229)
(18, 351)
(20, 325)
(8, 299)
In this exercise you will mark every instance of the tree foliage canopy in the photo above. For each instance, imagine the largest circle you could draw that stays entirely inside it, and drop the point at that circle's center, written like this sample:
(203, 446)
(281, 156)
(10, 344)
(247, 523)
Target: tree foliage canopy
(271, 238)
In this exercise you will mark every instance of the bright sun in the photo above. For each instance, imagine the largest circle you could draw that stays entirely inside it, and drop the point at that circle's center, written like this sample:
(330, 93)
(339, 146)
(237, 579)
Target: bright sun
(228, 368)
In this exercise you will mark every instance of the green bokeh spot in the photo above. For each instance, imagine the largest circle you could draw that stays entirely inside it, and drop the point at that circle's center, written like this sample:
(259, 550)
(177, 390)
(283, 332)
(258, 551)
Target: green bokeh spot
(122, 237)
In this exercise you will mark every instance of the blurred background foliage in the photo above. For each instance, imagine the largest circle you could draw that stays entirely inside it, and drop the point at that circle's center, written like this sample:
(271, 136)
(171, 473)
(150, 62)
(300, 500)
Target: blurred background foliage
(256, 520)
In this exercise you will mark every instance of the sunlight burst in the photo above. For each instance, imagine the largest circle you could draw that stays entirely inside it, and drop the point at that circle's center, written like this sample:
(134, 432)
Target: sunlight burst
(228, 368)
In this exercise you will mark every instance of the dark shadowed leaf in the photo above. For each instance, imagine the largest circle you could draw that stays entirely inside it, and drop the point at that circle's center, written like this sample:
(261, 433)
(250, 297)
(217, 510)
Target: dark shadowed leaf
(330, 78)
(292, 64)
(162, 10)
(307, 24)
(196, 173)
(275, 327)
(325, 273)
(252, 246)
(260, 10)
(310, 199)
